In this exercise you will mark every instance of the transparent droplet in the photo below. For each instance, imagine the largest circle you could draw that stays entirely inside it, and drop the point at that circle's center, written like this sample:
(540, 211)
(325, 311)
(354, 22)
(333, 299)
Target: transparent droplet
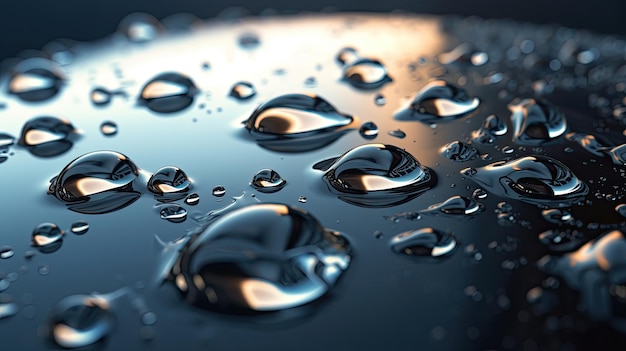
(100, 97)
(47, 237)
(479, 194)
(44, 270)
(192, 199)
(108, 128)
(78, 321)
(80, 227)
(376, 175)
(8, 308)
(302, 199)
(169, 183)
(296, 123)
(47, 136)
(459, 152)
(36, 79)
(621, 209)
(347, 56)
(455, 205)
(248, 41)
(366, 74)
(426, 243)
(219, 191)
(438, 100)
(491, 128)
(140, 27)
(380, 100)
(6, 252)
(219, 267)
(536, 122)
(242, 91)
(618, 155)
(96, 182)
(397, 133)
(310, 82)
(533, 179)
(173, 213)
(168, 92)
(369, 130)
(268, 181)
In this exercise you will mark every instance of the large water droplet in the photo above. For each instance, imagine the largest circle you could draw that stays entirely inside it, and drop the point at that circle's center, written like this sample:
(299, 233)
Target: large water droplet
(242, 91)
(97, 182)
(268, 181)
(47, 136)
(262, 257)
(36, 79)
(369, 130)
(173, 213)
(249, 41)
(536, 122)
(376, 175)
(426, 243)
(438, 100)
(296, 123)
(492, 127)
(47, 237)
(169, 183)
(366, 74)
(80, 320)
(456, 206)
(459, 152)
(168, 93)
(140, 27)
(533, 179)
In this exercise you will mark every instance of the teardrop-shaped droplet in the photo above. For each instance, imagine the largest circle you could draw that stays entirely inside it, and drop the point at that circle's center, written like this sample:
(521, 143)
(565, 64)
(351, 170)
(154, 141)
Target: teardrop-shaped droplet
(459, 152)
(97, 182)
(108, 128)
(36, 79)
(78, 321)
(268, 181)
(533, 179)
(6, 252)
(347, 56)
(426, 243)
(80, 227)
(219, 191)
(140, 27)
(219, 268)
(47, 136)
(6, 140)
(169, 183)
(376, 175)
(168, 93)
(438, 100)
(492, 127)
(296, 123)
(562, 240)
(369, 130)
(242, 91)
(366, 74)
(536, 122)
(173, 213)
(479, 194)
(456, 205)
(47, 237)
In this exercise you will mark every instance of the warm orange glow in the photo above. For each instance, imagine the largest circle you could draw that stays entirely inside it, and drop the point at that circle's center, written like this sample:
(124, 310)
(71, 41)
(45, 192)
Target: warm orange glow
(595, 251)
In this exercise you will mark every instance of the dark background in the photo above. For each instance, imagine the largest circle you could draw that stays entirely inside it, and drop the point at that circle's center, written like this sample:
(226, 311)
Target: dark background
(31, 24)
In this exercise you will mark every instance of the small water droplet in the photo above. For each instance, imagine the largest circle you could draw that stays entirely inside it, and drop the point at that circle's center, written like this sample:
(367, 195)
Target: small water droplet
(455, 205)
(426, 243)
(219, 191)
(6, 140)
(173, 213)
(347, 56)
(536, 122)
(397, 133)
(248, 41)
(80, 227)
(378, 234)
(29, 254)
(479, 58)
(140, 27)
(242, 91)
(302, 199)
(507, 150)
(369, 130)
(44, 270)
(491, 128)
(310, 82)
(168, 93)
(268, 181)
(479, 194)
(47, 136)
(6, 252)
(459, 152)
(380, 100)
(192, 199)
(557, 216)
(366, 74)
(169, 183)
(108, 128)
(36, 79)
(47, 237)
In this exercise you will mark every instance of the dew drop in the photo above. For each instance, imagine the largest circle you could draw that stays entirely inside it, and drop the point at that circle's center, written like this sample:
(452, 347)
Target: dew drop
(169, 183)
(47, 136)
(108, 128)
(192, 199)
(36, 79)
(366, 74)
(536, 122)
(219, 191)
(173, 213)
(376, 175)
(242, 91)
(167, 93)
(426, 243)
(149, 318)
(6, 140)
(80, 227)
(438, 100)
(140, 27)
(459, 152)
(455, 205)
(268, 181)
(369, 130)
(6, 252)
(310, 82)
(397, 133)
(47, 237)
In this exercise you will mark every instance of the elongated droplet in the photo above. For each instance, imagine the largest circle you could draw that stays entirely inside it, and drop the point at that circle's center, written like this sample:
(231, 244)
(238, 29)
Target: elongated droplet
(47, 136)
(347, 56)
(219, 191)
(366, 74)
(192, 199)
(47, 237)
(268, 181)
(173, 213)
(6, 252)
(108, 128)
(36, 79)
(397, 133)
(456, 206)
(168, 92)
(8, 308)
(427, 244)
(536, 122)
(80, 227)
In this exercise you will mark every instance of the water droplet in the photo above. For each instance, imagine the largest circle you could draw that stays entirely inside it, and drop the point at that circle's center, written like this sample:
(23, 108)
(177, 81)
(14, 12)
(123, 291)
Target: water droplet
(621, 209)
(168, 93)
(437, 101)
(44, 270)
(376, 175)
(380, 100)
(397, 133)
(231, 266)
(47, 237)
(562, 240)
(78, 321)
(533, 179)
(248, 41)
(36, 79)
(366, 74)
(97, 182)
(6, 140)
(310, 82)
(8, 308)
(369, 130)
(268, 181)
(479, 58)
(29, 254)
(557, 216)
(456, 205)
(491, 128)
(149, 318)
(192, 199)
(6, 252)
(507, 150)
(479, 194)
(108, 128)
(459, 152)
(618, 155)
(173, 213)
(296, 123)
(302, 199)
(140, 27)
(100, 97)
(169, 183)
(536, 122)
(47, 136)
(80, 227)
(242, 91)
(219, 191)
(426, 243)
(347, 56)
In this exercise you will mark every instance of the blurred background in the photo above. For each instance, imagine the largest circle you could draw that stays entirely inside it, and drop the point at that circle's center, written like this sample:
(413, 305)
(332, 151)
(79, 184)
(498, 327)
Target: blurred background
(30, 24)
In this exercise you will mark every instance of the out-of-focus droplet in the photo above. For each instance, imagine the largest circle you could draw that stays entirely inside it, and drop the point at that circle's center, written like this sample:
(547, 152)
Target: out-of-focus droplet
(242, 91)
(168, 92)
(8, 308)
(347, 56)
(426, 243)
(6, 252)
(369, 130)
(36, 79)
(140, 27)
(47, 136)
(249, 41)
(397, 133)
(380, 100)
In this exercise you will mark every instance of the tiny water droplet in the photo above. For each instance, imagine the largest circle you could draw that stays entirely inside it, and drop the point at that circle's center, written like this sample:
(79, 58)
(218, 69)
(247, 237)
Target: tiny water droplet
(100, 97)
(557, 215)
(8, 308)
(397, 133)
(173, 213)
(380, 100)
(310, 82)
(44, 270)
(366, 74)
(168, 92)
(47, 237)
(219, 191)
(80, 227)
(455, 205)
(6, 252)
(268, 181)
(479, 58)
(149, 318)
(192, 199)
(36, 79)
(562, 240)
(378, 234)
(369, 130)
(242, 91)
(108, 128)
(426, 243)
(302, 199)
